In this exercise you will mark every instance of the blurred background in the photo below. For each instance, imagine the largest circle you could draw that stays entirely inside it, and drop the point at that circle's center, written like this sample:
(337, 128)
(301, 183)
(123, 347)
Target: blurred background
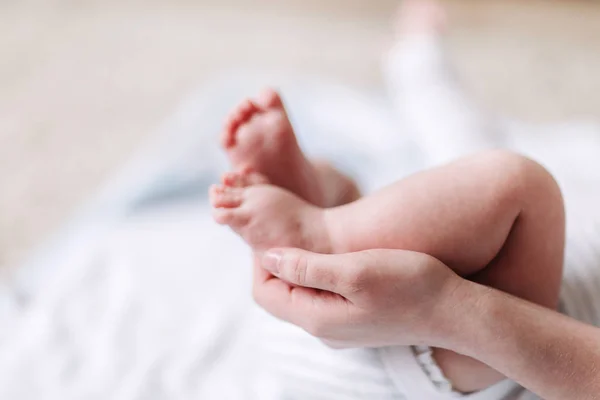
(84, 83)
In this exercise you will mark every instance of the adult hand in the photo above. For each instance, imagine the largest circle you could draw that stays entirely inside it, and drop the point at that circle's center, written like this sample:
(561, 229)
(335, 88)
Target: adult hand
(366, 299)
(393, 297)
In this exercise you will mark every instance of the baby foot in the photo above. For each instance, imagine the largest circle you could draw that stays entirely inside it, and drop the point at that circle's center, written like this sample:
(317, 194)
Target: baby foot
(267, 216)
(259, 135)
(420, 17)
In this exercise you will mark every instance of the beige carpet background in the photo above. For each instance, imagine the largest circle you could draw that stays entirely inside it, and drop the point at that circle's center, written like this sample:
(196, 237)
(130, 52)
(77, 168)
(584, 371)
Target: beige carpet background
(82, 84)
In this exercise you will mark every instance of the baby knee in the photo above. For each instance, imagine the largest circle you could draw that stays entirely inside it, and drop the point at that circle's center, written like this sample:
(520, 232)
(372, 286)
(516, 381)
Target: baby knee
(520, 178)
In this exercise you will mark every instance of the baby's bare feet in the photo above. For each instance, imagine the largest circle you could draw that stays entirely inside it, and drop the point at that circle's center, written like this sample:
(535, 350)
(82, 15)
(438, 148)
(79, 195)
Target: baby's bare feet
(267, 216)
(259, 135)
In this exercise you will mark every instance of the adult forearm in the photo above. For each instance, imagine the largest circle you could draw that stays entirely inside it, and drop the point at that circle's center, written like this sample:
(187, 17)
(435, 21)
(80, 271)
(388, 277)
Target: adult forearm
(550, 354)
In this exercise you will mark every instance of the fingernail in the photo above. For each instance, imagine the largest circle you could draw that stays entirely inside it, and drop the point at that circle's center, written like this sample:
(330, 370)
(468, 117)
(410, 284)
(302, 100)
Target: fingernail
(270, 261)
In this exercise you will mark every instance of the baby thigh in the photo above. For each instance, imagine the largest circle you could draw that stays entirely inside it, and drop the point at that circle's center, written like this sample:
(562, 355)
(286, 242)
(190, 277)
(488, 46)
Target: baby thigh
(496, 217)
(530, 263)
(517, 230)
(513, 223)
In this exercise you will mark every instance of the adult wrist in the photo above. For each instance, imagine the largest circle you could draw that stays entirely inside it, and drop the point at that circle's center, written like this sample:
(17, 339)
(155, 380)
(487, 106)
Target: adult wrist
(462, 314)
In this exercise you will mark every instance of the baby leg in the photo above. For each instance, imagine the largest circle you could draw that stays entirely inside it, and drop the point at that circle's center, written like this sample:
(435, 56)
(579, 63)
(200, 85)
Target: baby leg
(338, 188)
(427, 93)
(496, 217)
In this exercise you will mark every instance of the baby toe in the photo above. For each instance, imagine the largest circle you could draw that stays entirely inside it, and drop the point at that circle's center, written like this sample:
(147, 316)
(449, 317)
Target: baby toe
(246, 109)
(225, 197)
(255, 178)
(246, 177)
(233, 179)
(243, 112)
(269, 98)
(233, 217)
(240, 115)
(228, 134)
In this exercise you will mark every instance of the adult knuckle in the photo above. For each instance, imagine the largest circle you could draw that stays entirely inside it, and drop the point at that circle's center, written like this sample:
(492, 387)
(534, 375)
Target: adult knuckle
(321, 275)
(357, 279)
(297, 268)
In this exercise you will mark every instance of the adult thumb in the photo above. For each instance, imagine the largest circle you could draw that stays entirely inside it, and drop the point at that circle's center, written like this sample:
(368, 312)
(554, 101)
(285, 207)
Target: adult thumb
(339, 273)
(304, 268)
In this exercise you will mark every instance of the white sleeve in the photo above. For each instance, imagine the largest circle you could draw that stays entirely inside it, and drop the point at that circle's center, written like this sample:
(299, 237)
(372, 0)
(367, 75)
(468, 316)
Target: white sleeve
(405, 366)
(427, 95)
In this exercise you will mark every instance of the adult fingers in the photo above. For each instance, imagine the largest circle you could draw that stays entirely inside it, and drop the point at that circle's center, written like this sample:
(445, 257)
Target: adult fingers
(316, 311)
(333, 273)
(351, 275)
